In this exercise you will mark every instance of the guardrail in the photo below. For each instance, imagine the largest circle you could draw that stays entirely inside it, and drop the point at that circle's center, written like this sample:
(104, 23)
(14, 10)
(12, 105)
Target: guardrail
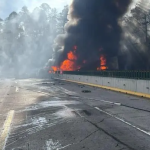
(145, 75)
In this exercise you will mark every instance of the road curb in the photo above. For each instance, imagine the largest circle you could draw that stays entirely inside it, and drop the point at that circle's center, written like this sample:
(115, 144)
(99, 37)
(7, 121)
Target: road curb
(111, 88)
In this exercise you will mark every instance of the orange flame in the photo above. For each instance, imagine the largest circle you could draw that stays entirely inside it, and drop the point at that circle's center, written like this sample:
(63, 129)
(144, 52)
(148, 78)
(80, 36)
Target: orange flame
(102, 63)
(71, 56)
(55, 68)
(70, 63)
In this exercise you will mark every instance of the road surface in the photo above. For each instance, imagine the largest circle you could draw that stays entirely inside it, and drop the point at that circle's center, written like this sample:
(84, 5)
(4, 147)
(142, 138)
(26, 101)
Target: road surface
(37, 114)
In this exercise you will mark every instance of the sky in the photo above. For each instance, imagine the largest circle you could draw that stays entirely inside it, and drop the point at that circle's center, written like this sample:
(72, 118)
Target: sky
(8, 6)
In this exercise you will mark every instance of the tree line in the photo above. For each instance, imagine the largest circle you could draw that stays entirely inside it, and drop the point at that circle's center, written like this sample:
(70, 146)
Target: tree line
(135, 43)
(26, 38)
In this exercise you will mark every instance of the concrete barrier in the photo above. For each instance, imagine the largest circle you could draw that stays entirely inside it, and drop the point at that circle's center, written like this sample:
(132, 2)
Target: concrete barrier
(129, 86)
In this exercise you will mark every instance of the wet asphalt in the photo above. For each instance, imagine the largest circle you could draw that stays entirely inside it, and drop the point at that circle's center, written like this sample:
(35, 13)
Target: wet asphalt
(54, 115)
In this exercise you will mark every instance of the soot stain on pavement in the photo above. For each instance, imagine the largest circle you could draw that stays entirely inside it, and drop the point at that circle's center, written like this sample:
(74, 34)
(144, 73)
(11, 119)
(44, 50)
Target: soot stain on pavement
(86, 91)
(47, 104)
(37, 122)
(41, 117)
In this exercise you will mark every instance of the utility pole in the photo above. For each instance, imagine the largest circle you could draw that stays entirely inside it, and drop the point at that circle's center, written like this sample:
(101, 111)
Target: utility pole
(145, 23)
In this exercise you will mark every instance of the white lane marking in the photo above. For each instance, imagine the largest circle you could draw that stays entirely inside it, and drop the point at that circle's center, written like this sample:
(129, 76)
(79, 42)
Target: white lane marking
(65, 146)
(122, 120)
(17, 89)
(67, 91)
(114, 103)
(119, 104)
(6, 129)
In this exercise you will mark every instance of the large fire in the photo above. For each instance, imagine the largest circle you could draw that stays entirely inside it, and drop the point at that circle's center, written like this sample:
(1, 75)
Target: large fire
(102, 63)
(70, 63)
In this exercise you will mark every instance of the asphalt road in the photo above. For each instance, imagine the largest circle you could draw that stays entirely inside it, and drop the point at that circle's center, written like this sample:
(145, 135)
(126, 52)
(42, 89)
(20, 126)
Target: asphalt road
(38, 114)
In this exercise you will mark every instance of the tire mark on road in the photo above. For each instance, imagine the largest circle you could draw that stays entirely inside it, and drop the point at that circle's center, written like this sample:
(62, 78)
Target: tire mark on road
(125, 122)
(107, 133)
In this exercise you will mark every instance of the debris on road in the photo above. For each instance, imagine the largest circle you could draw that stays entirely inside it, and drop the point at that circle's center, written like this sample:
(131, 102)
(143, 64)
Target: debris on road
(86, 91)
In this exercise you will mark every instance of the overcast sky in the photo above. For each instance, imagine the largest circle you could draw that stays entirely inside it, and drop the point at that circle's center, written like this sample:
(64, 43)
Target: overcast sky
(7, 6)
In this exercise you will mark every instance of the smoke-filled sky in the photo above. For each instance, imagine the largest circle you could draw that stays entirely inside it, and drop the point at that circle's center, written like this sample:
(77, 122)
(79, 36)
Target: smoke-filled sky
(94, 33)
(7, 6)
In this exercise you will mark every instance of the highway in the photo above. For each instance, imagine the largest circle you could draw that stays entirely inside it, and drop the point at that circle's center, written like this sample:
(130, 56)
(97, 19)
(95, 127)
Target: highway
(39, 114)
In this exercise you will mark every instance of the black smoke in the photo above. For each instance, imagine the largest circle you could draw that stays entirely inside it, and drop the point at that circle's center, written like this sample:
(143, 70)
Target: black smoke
(94, 28)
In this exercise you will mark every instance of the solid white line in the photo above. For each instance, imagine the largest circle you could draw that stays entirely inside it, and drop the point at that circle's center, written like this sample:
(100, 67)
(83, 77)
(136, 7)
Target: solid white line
(65, 146)
(122, 120)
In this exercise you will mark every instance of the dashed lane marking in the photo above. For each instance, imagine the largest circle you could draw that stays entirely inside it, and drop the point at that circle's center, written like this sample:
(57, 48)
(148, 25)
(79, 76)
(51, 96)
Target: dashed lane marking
(122, 120)
(17, 89)
(6, 129)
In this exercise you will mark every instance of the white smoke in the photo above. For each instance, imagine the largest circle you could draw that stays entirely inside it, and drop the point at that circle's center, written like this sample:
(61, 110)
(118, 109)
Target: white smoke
(26, 41)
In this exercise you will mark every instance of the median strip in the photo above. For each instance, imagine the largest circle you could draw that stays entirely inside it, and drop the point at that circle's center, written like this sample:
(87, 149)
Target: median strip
(6, 129)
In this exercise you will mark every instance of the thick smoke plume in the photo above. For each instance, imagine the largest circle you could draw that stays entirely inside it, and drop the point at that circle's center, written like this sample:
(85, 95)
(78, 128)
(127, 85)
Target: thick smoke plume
(93, 35)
